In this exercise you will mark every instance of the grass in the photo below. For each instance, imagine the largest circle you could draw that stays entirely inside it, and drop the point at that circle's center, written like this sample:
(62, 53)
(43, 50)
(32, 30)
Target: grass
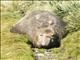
(14, 46)
(70, 47)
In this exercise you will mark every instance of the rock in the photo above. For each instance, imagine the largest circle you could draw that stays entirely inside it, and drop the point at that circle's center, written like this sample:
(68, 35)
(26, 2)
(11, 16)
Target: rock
(44, 56)
(45, 29)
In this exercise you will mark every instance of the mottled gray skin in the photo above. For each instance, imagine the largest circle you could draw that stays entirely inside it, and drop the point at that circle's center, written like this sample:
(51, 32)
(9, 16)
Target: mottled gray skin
(44, 28)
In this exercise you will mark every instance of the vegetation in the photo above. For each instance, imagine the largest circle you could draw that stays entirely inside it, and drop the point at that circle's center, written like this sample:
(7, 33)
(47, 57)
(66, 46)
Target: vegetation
(14, 46)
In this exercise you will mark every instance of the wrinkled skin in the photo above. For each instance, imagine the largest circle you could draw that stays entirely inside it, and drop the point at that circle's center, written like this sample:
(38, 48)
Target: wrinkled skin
(45, 29)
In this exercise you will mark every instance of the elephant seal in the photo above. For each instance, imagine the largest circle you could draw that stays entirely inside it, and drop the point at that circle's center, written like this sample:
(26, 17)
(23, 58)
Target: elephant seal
(44, 28)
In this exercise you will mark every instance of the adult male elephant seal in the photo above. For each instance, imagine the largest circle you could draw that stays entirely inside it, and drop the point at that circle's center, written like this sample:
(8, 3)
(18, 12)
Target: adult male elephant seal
(44, 29)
